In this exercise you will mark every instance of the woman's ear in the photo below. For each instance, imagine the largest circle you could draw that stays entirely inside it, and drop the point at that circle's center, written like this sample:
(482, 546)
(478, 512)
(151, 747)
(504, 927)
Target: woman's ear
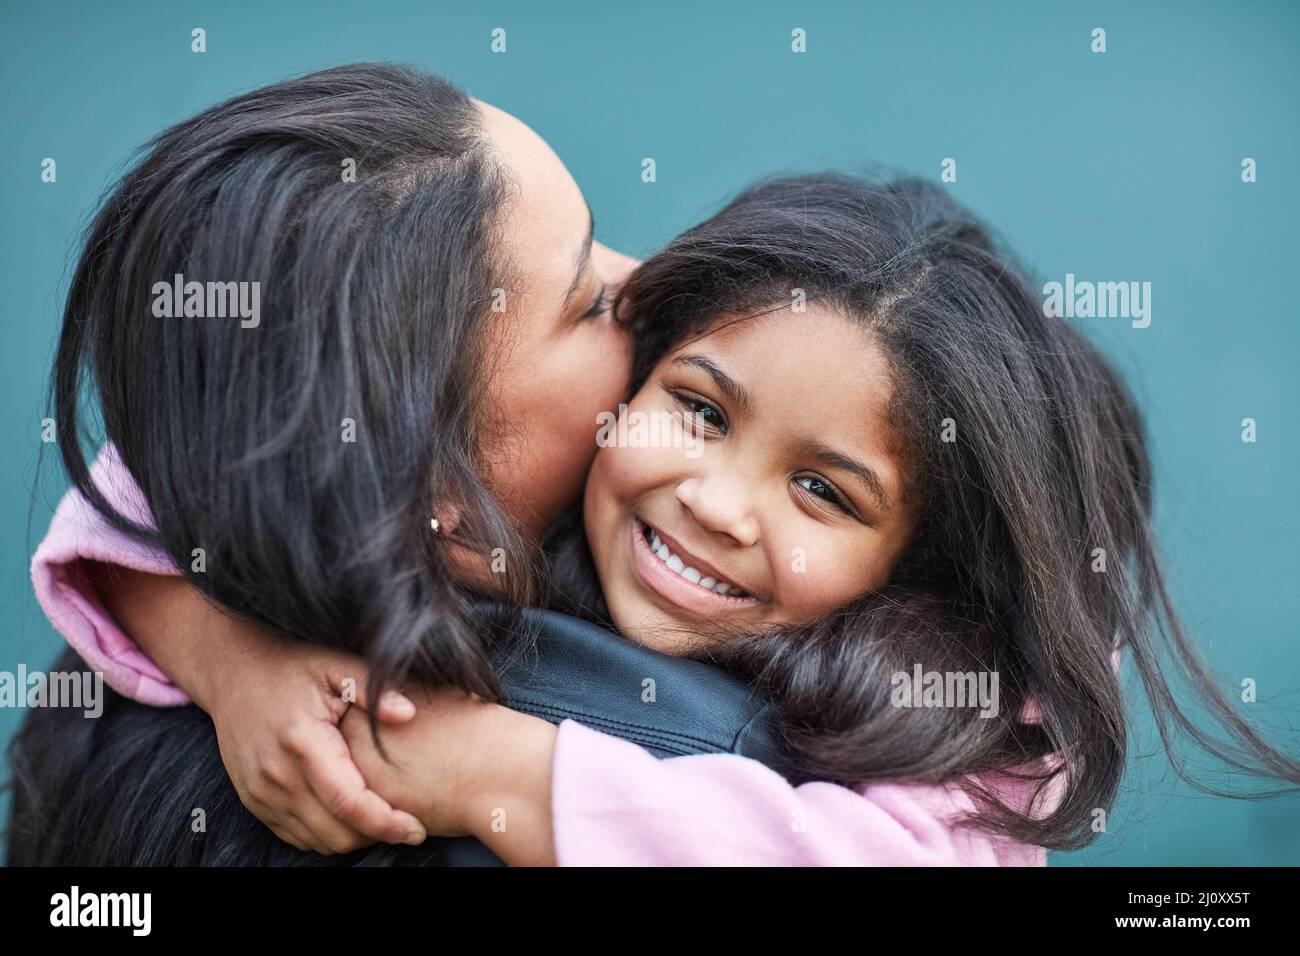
(445, 518)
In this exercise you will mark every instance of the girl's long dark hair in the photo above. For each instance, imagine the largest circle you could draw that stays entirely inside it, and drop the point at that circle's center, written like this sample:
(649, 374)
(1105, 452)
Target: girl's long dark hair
(1048, 471)
(304, 455)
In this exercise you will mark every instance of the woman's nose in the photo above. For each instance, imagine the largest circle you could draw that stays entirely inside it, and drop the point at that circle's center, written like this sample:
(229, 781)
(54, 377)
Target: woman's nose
(720, 506)
(613, 267)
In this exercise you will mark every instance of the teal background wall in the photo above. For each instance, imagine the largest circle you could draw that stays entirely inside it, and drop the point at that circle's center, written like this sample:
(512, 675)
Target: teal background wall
(1116, 166)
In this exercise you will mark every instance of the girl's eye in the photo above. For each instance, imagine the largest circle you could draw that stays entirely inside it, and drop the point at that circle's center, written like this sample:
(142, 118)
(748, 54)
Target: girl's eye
(702, 412)
(825, 491)
(600, 306)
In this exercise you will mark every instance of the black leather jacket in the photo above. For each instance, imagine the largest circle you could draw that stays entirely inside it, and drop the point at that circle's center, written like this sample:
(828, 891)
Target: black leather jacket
(583, 672)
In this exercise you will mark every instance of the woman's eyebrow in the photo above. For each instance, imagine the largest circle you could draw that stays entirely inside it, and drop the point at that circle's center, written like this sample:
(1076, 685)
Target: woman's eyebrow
(831, 458)
(734, 391)
(583, 257)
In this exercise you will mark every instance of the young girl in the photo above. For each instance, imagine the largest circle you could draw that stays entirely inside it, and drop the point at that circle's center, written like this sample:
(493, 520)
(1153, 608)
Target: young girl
(906, 470)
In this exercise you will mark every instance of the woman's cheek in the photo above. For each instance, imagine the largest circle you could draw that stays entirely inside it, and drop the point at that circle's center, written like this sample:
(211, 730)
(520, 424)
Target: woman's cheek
(562, 456)
(579, 440)
(564, 424)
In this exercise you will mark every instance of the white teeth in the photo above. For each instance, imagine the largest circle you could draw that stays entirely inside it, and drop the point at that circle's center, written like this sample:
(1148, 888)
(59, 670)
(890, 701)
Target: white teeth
(679, 566)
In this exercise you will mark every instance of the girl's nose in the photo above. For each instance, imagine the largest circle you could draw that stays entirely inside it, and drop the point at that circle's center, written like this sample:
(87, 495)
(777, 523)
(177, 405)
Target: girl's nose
(720, 506)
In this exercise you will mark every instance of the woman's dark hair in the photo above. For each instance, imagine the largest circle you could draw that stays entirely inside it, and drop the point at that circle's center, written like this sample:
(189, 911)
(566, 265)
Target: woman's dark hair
(1049, 464)
(304, 452)
(145, 786)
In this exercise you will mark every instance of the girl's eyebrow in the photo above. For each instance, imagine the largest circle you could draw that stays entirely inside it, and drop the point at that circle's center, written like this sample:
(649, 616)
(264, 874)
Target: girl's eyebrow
(831, 458)
(814, 448)
(734, 391)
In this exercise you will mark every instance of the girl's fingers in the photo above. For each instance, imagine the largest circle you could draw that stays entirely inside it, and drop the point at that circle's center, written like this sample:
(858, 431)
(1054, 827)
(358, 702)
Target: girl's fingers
(350, 683)
(394, 707)
(342, 793)
(286, 826)
(325, 833)
(289, 838)
(313, 830)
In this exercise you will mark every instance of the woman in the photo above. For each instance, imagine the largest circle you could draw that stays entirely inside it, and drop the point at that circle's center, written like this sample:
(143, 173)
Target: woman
(435, 260)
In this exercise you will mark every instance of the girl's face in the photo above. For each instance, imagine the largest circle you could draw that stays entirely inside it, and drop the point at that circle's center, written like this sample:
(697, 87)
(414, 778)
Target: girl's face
(790, 495)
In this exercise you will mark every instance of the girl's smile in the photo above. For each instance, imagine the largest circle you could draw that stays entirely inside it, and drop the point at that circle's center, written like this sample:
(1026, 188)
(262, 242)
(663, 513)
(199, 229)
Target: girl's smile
(687, 581)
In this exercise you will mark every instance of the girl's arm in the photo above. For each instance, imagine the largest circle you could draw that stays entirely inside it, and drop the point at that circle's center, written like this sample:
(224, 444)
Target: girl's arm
(71, 578)
(615, 804)
(275, 705)
(168, 624)
(570, 796)
(467, 767)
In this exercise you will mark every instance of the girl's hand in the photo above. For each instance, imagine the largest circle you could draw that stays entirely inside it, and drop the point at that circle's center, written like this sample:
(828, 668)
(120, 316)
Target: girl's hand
(277, 717)
(431, 757)
(276, 707)
(466, 767)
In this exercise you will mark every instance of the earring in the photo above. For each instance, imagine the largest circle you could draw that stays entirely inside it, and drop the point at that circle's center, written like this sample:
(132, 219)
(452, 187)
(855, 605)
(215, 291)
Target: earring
(433, 523)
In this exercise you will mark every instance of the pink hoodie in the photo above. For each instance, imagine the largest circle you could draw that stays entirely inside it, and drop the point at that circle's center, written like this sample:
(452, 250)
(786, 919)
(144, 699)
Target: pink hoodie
(613, 803)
